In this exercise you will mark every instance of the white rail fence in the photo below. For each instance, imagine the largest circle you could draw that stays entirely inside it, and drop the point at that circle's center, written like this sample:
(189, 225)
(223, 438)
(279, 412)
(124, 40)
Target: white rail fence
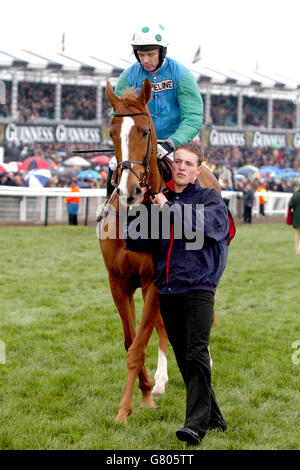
(47, 205)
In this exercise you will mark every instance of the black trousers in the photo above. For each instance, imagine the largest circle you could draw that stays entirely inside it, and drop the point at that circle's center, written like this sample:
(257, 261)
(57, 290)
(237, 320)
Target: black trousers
(247, 214)
(188, 318)
(72, 219)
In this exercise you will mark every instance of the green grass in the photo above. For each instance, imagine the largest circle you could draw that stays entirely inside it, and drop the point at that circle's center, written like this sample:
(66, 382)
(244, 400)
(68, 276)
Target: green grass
(65, 365)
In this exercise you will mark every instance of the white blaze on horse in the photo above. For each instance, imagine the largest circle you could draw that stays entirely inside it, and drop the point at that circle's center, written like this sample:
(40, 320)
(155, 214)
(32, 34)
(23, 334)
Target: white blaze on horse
(135, 146)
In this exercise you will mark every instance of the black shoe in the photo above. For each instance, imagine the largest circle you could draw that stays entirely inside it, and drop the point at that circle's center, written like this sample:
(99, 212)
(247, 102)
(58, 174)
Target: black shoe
(191, 436)
(217, 425)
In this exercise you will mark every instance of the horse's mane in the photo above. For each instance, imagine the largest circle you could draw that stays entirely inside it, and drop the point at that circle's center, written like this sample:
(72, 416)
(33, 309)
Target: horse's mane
(130, 93)
(129, 98)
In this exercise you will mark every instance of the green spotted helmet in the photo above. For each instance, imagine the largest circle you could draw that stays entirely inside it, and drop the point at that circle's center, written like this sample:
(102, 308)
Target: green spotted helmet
(152, 35)
(149, 37)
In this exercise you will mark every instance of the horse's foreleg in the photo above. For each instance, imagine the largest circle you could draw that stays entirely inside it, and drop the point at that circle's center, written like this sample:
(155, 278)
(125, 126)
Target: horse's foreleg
(125, 306)
(135, 366)
(161, 375)
(137, 351)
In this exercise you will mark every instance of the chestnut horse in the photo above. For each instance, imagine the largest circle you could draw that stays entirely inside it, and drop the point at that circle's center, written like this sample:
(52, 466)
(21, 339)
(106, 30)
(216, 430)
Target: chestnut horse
(135, 146)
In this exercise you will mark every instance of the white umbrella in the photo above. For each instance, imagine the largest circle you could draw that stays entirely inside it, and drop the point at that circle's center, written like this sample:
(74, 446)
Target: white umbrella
(37, 178)
(12, 167)
(76, 161)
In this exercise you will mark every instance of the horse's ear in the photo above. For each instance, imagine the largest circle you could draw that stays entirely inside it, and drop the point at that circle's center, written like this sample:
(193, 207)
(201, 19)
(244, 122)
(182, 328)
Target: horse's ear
(146, 92)
(110, 95)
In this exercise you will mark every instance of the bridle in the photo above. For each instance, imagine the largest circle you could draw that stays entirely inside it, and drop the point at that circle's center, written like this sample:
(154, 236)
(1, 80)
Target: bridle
(127, 165)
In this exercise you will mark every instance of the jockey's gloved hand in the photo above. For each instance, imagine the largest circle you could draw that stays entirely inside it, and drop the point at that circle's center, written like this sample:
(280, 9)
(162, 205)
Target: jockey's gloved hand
(165, 148)
(113, 164)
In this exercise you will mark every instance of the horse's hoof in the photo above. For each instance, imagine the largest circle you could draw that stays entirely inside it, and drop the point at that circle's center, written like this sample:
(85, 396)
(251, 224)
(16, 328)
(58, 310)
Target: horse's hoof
(148, 403)
(121, 419)
(158, 391)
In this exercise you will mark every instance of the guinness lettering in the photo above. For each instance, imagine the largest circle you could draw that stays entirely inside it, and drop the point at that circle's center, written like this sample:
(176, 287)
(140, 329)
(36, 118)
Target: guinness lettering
(78, 134)
(164, 85)
(61, 133)
(267, 140)
(29, 134)
(227, 138)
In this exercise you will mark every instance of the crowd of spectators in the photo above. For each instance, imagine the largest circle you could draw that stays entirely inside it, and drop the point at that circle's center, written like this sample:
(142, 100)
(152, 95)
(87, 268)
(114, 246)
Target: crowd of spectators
(255, 112)
(58, 151)
(236, 157)
(223, 161)
(106, 109)
(78, 102)
(35, 101)
(223, 110)
(58, 180)
(284, 114)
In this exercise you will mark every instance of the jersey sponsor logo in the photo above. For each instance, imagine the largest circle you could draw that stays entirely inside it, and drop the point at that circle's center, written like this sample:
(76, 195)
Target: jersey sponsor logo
(163, 85)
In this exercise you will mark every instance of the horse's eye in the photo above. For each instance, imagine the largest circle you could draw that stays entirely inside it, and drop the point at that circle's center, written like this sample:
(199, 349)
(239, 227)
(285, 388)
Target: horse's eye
(145, 132)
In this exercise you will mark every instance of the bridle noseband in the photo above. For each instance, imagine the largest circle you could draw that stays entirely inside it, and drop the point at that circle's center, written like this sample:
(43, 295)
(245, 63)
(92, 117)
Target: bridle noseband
(127, 165)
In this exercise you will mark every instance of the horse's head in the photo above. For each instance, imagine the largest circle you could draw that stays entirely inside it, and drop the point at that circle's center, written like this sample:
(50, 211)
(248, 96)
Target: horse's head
(134, 139)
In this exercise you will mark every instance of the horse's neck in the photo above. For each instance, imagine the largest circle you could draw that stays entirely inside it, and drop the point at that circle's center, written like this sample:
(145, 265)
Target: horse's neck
(208, 180)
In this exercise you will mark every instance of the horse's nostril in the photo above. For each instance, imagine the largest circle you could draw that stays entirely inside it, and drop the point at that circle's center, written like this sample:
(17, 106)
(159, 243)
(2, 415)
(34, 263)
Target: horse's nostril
(138, 191)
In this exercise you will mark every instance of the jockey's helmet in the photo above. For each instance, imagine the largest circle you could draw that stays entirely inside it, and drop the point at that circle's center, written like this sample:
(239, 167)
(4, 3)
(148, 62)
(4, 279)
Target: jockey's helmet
(150, 37)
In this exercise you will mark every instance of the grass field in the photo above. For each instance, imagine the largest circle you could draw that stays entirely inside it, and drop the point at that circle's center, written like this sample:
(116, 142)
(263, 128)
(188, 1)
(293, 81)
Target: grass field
(65, 367)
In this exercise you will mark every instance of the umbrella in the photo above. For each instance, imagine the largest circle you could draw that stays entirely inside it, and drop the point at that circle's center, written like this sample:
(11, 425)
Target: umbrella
(11, 167)
(89, 174)
(65, 171)
(269, 167)
(101, 160)
(83, 185)
(76, 161)
(269, 170)
(250, 167)
(275, 146)
(288, 173)
(37, 178)
(247, 170)
(32, 163)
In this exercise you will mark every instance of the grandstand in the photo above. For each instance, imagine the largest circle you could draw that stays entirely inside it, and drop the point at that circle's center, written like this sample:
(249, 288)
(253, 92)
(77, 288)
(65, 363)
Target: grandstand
(57, 100)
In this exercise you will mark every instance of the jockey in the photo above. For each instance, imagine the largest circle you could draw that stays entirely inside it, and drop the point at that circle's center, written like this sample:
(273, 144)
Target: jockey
(176, 105)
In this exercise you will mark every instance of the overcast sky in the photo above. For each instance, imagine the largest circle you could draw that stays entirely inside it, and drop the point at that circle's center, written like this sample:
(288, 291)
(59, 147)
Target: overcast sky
(234, 33)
